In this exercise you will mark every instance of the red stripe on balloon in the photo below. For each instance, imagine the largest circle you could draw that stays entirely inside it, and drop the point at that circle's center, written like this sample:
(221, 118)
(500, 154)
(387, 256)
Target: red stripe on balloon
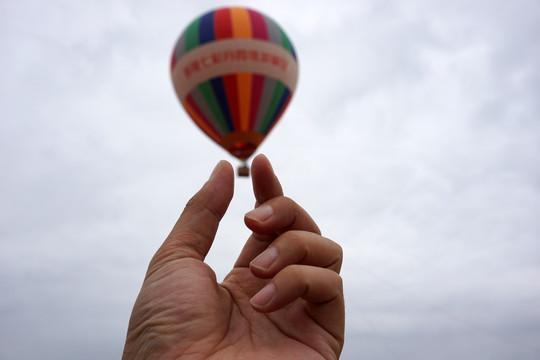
(231, 90)
(173, 60)
(202, 120)
(223, 24)
(256, 93)
(258, 25)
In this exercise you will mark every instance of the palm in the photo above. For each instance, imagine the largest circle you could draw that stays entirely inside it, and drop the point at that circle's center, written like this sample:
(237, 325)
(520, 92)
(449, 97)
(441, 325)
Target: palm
(223, 325)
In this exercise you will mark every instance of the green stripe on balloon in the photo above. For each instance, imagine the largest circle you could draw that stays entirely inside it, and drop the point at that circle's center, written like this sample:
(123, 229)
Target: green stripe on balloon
(276, 97)
(283, 102)
(211, 101)
(199, 99)
(192, 35)
(286, 43)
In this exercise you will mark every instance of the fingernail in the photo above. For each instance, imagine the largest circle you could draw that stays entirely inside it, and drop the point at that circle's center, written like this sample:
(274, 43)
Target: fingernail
(215, 171)
(265, 259)
(260, 214)
(264, 296)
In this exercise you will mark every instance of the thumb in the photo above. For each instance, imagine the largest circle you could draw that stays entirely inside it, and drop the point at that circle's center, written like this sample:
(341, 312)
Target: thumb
(194, 232)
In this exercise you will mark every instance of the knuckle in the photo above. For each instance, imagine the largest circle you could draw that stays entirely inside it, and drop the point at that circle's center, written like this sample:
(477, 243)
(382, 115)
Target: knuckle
(293, 272)
(339, 252)
(285, 204)
(333, 282)
(192, 202)
(294, 238)
(339, 281)
(288, 200)
(335, 256)
(294, 242)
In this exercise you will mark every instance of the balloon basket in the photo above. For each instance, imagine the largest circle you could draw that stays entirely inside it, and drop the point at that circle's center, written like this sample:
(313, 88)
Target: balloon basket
(243, 170)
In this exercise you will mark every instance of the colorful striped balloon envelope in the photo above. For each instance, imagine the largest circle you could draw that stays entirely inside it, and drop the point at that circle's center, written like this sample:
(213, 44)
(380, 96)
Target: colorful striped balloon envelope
(234, 71)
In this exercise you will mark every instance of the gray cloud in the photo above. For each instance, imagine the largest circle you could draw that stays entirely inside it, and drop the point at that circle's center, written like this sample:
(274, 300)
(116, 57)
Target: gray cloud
(415, 139)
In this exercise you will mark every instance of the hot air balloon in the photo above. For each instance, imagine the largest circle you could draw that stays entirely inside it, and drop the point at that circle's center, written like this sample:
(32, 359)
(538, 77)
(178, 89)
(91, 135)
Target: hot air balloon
(234, 70)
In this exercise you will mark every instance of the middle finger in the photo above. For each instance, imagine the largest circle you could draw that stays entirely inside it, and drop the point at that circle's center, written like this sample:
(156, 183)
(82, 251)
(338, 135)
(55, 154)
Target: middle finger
(298, 247)
(268, 221)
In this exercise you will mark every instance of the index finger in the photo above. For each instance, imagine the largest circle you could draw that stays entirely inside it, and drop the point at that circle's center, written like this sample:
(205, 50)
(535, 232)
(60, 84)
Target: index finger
(266, 185)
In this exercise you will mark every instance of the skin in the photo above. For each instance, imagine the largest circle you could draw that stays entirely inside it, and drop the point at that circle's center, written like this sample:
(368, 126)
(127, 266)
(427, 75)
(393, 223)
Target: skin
(283, 299)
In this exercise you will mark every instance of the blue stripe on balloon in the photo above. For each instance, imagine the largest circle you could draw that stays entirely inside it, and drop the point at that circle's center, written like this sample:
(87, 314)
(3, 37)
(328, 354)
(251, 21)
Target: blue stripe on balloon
(221, 96)
(206, 28)
(279, 109)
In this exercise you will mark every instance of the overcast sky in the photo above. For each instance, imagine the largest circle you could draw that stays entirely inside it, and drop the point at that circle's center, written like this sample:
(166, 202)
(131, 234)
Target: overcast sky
(413, 139)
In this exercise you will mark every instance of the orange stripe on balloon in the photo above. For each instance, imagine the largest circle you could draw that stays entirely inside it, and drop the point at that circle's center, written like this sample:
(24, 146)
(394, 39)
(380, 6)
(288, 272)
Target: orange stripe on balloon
(198, 117)
(241, 23)
(242, 28)
(244, 98)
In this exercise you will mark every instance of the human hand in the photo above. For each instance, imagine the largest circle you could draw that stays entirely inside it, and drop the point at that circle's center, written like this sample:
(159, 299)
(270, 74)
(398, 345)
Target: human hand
(282, 300)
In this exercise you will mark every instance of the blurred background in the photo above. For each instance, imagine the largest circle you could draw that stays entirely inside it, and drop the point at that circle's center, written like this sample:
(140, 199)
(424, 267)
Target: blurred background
(412, 139)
